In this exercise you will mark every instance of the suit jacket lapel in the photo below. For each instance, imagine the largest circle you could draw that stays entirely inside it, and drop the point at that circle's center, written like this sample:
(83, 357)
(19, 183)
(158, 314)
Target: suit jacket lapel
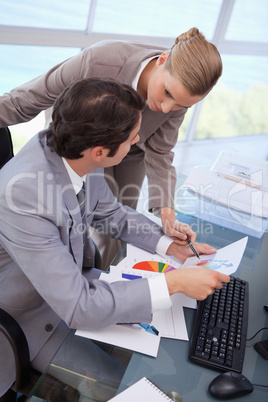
(69, 199)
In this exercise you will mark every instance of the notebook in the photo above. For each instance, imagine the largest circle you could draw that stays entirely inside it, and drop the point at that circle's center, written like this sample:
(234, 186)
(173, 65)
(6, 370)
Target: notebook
(143, 390)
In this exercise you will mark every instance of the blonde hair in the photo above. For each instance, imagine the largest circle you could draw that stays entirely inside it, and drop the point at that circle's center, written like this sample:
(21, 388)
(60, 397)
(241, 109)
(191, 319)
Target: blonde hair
(195, 62)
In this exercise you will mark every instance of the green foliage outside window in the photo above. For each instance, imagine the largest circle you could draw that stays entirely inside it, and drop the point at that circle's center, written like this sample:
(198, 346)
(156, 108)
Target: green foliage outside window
(231, 113)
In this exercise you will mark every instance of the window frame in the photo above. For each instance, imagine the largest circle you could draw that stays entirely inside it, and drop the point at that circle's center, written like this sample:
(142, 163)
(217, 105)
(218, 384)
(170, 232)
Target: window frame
(21, 35)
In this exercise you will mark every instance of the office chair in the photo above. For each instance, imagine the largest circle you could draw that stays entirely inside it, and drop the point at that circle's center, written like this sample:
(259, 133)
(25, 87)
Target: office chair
(6, 148)
(25, 378)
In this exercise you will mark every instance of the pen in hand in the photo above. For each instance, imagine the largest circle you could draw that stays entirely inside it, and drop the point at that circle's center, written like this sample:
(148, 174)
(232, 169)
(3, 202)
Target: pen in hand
(192, 247)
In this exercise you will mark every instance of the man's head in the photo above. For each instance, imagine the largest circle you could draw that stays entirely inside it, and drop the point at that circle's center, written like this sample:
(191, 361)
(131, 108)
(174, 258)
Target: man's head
(93, 112)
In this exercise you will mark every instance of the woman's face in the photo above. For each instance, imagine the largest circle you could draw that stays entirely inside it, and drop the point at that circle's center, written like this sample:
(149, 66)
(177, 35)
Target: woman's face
(165, 92)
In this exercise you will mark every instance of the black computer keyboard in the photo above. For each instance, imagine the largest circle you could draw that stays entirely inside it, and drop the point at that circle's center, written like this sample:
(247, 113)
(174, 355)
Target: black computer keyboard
(220, 328)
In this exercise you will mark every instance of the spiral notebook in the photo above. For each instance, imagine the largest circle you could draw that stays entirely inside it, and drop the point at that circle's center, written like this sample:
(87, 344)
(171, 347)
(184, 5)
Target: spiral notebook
(143, 391)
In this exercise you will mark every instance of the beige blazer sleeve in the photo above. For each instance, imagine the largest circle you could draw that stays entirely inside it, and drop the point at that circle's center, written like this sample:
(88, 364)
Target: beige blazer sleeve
(110, 59)
(120, 61)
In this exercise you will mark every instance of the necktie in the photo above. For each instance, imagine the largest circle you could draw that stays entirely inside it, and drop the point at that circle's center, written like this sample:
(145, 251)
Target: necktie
(81, 202)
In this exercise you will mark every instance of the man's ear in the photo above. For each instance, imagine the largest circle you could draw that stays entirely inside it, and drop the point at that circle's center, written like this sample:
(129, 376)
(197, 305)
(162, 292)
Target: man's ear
(97, 153)
(162, 59)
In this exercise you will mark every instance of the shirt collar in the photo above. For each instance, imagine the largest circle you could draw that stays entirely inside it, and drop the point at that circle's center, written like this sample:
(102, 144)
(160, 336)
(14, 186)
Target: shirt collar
(142, 67)
(76, 180)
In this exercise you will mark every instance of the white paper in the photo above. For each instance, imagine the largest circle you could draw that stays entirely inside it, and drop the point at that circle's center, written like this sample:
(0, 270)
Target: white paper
(242, 168)
(143, 390)
(169, 322)
(135, 255)
(136, 339)
(225, 260)
(235, 195)
(130, 337)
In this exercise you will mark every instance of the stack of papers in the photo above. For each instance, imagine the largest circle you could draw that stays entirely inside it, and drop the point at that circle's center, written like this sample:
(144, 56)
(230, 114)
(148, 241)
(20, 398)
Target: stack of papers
(170, 322)
(228, 195)
(242, 169)
(234, 195)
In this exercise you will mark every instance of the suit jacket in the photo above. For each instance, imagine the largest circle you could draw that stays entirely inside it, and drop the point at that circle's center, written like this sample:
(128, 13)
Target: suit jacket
(42, 280)
(120, 61)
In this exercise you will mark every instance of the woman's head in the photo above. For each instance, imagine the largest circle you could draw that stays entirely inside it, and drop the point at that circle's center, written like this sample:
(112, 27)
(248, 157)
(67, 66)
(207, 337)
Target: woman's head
(93, 112)
(183, 76)
(195, 62)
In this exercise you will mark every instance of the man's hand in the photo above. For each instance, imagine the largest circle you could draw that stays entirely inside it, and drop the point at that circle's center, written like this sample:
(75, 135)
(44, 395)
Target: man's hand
(195, 282)
(182, 252)
(178, 231)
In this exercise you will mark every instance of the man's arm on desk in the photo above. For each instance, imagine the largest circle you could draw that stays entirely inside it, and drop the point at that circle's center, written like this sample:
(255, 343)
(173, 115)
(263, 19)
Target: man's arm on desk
(195, 282)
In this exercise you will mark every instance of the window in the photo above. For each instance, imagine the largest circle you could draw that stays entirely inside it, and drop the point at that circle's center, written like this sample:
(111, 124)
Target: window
(238, 105)
(20, 64)
(14, 71)
(253, 16)
(37, 35)
(155, 17)
(65, 14)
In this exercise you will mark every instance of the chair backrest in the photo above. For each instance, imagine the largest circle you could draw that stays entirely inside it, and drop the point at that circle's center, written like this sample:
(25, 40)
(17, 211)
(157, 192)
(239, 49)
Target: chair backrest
(16, 337)
(6, 146)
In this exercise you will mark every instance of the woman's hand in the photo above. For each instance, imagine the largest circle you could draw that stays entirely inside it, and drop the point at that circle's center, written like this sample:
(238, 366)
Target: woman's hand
(178, 231)
(182, 252)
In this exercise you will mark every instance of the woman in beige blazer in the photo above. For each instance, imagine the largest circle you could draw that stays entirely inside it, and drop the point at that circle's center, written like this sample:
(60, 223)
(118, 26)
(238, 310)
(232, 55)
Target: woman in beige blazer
(171, 81)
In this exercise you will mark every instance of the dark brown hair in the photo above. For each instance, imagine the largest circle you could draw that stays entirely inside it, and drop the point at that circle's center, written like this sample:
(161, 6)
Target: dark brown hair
(93, 112)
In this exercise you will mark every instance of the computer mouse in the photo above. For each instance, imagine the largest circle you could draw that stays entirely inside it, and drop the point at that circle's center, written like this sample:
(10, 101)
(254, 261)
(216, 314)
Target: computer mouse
(230, 385)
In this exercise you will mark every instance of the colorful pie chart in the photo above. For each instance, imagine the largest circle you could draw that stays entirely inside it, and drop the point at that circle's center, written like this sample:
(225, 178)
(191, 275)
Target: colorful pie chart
(153, 266)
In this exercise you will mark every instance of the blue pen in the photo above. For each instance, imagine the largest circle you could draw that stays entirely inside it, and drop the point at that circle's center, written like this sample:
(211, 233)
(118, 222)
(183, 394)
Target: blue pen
(149, 328)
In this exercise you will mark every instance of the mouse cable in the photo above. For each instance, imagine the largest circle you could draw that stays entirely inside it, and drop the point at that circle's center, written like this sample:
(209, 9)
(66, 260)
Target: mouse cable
(249, 339)
(260, 385)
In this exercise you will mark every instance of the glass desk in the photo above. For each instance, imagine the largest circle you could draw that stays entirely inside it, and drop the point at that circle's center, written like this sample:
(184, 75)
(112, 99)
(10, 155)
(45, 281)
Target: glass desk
(171, 370)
